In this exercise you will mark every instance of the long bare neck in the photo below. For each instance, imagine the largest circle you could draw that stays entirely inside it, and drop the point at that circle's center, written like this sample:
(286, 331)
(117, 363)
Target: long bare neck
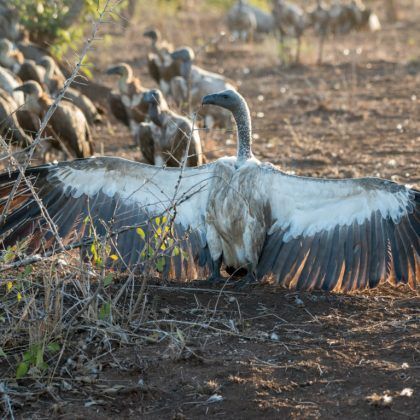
(49, 73)
(242, 118)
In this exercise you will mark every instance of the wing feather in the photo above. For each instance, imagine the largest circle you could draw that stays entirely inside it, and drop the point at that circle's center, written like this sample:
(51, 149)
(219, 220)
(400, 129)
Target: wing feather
(89, 199)
(340, 234)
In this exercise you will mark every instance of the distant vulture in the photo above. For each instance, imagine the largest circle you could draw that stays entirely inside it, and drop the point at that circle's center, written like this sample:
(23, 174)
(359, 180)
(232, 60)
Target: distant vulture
(171, 134)
(308, 233)
(198, 83)
(159, 58)
(54, 79)
(129, 97)
(241, 21)
(67, 125)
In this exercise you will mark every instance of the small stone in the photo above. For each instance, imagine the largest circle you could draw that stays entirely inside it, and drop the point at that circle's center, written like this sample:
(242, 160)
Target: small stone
(407, 392)
(214, 399)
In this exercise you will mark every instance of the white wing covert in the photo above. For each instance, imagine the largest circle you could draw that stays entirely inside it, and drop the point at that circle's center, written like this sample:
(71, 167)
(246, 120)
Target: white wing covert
(340, 234)
(112, 197)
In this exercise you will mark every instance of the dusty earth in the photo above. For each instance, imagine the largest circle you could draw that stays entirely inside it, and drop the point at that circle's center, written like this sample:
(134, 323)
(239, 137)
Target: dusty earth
(265, 352)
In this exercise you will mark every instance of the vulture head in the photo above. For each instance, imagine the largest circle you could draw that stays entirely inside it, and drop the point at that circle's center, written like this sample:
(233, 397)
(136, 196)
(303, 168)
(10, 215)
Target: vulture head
(236, 104)
(121, 69)
(32, 91)
(185, 57)
(228, 99)
(157, 103)
(153, 35)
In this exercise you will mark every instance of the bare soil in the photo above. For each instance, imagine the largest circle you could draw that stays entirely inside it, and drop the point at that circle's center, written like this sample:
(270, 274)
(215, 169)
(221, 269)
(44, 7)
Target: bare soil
(266, 352)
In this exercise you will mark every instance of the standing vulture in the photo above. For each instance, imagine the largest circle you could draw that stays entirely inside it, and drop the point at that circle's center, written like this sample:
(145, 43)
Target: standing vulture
(290, 20)
(171, 134)
(15, 61)
(309, 233)
(54, 79)
(241, 22)
(198, 83)
(131, 93)
(67, 125)
(159, 58)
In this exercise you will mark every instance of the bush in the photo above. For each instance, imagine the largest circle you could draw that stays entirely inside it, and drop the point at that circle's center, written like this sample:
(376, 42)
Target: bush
(57, 24)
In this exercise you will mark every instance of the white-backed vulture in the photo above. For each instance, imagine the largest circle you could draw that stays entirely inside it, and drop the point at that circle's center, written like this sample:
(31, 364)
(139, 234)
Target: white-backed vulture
(67, 125)
(131, 93)
(352, 16)
(290, 20)
(10, 127)
(308, 233)
(159, 46)
(159, 58)
(171, 133)
(55, 79)
(241, 21)
(319, 19)
(200, 82)
(14, 60)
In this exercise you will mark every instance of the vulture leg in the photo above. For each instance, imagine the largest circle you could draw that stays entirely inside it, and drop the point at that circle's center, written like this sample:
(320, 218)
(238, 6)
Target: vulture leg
(249, 279)
(282, 46)
(215, 277)
(297, 58)
(321, 49)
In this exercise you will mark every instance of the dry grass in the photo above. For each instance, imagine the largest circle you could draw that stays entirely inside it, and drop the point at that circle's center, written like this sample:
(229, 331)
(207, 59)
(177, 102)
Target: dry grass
(102, 344)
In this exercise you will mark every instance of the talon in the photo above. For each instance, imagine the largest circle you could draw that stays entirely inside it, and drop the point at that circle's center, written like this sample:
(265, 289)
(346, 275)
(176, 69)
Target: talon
(248, 281)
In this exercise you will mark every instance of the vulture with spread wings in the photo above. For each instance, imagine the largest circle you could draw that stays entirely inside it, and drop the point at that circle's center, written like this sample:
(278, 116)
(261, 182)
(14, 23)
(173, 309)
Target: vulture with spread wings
(308, 233)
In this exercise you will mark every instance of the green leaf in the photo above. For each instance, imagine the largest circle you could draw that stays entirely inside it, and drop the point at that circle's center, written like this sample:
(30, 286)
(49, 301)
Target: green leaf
(2, 353)
(141, 233)
(160, 263)
(105, 311)
(108, 279)
(28, 356)
(28, 270)
(53, 347)
(39, 358)
(22, 370)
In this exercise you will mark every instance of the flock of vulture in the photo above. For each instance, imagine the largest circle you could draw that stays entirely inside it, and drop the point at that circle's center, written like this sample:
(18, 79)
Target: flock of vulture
(236, 211)
(247, 22)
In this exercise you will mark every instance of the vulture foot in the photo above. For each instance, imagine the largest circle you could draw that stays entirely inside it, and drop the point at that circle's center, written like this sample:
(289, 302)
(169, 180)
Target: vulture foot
(247, 281)
(214, 280)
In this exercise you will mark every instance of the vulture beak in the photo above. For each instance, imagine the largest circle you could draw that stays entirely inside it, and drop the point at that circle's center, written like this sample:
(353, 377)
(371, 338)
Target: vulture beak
(114, 70)
(210, 99)
(150, 34)
(21, 88)
(30, 88)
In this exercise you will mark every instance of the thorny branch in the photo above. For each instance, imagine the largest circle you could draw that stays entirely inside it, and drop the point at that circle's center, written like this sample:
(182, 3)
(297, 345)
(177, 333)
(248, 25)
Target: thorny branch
(22, 167)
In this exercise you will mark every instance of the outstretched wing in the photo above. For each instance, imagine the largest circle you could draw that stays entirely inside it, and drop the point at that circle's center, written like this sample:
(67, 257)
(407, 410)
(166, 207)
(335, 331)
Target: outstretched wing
(129, 203)
(340, 234)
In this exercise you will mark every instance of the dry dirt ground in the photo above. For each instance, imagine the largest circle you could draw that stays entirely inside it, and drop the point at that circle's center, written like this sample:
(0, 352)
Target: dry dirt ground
(267, 352)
